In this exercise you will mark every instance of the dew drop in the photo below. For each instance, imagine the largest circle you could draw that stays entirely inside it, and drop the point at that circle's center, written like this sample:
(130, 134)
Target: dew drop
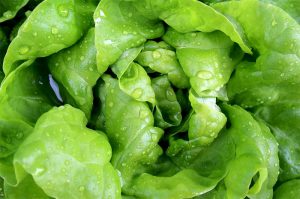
(98, 20)
(156, 54)
(8, 140)
(67, 162)
(102, 13)
(170, 95)
(63, 11)
(108, 42)
(54, 30)
(19, 135)
(143, 114)
(110, 104)
(81, 188)
(204, 74)
(23, 50)
(153, 135)
(274, 23)
(8, 14)
(137, 93)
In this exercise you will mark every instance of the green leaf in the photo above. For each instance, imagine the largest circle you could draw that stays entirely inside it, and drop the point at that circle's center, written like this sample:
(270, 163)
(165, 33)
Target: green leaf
(22, 101)
(52, 26)
(168, 110)
(75, 69)
(8, 9)
(244, 152)
(120, 26)
(63, 165)
(133, 79)
(283, 119)
(26, 189)
(188, 16)
(289, 189)
(129, 127)
(271, 83)
(164, 61)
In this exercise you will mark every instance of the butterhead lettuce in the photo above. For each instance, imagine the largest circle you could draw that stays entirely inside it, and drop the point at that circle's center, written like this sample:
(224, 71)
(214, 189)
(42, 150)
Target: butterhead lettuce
(149, 99)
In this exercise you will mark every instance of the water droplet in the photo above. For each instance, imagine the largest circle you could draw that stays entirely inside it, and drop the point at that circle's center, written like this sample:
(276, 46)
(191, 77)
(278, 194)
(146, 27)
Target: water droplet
(153, 135)
(137, 93)
(67, 162)
(8, 140)
(156, 54)
(143, 114)
(81, 188)
(8, 14)
(39, 171)
(54, 30)
(102, 13)
(110, 104)
(98, 20)
(19, 135)
(170, 95)
(108, 42)
(23, 50)
(63, 11)
(204, 74)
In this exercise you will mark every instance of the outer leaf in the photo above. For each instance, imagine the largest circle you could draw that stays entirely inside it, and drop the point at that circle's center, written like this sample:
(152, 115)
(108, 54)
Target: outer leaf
(26, 189)
(207, 61)
(8, 9)
(74, 17)
(80, 167)
(273, 80)
(75, 69)
(250, 149)
(189, 16)
(163, 60)
(3, 47)
(290, 6)
(22, 101)
(129, 126)
(290, 189)
(284, 123)
(120, 26)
